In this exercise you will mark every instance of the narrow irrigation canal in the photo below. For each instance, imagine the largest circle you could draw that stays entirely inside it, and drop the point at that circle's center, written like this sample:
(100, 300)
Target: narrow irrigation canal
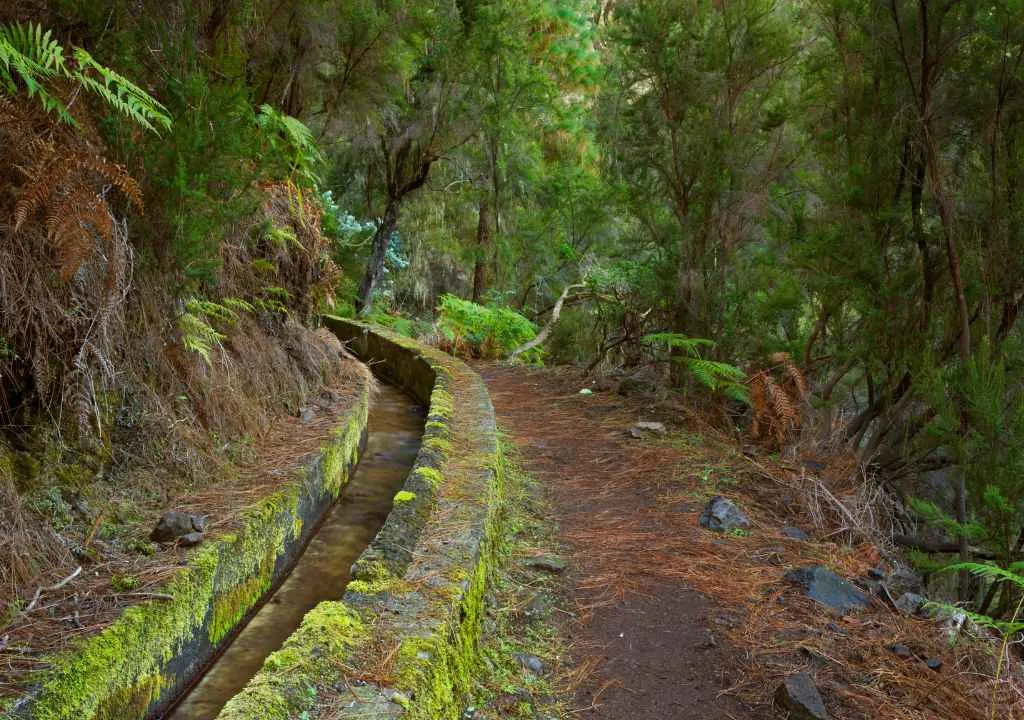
(395, 427)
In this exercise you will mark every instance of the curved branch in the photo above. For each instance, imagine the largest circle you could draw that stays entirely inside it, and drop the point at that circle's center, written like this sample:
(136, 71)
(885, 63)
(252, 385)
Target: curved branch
(543, 334)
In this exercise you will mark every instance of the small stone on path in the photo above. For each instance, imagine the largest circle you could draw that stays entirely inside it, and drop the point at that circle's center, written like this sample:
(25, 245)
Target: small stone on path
(934, 664)
(546, 563)
(174, 525)
(722, 515)
(799, 696)
(190, 539)
(900, 650)
(911, 603)
(306, 415)
(645, 427)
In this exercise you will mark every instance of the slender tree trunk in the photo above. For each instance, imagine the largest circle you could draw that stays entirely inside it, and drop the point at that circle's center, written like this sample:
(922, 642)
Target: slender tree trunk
(484, 234)
(375, 265)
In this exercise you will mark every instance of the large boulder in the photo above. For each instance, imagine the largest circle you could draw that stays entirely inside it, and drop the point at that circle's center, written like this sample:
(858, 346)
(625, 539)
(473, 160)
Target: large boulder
(722, 515)
(825, 587)
(799, 697)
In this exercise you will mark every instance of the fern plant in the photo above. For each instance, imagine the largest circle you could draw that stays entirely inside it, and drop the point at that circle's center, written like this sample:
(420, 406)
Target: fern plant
(292, 141)
(715, 376)
(483, 331)
(196, 324)
(31, 60)
(1006, 628)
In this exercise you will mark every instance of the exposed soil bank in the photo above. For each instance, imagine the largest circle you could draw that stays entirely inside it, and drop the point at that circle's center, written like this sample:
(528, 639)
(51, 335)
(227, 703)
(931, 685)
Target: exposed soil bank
(394, 430)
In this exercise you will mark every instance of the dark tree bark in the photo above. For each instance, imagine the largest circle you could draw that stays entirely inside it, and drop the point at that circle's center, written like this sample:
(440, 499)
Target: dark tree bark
(375, 266)
(484, 238)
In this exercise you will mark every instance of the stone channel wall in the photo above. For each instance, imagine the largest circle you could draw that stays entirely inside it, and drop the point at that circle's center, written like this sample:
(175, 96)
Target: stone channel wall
(403, 638)
(141, 663)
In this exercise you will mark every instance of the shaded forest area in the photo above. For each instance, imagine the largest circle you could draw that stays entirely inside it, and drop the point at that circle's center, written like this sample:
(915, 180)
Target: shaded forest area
(803, 216)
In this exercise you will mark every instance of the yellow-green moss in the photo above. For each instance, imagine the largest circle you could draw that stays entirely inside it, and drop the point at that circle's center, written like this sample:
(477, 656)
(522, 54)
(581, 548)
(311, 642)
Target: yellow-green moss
(309, 657)
(431, 475)
(404, 496)
(132, 701)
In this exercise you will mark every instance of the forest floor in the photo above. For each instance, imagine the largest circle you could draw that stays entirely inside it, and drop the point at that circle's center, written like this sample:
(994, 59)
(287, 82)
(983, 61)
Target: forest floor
(666, 619)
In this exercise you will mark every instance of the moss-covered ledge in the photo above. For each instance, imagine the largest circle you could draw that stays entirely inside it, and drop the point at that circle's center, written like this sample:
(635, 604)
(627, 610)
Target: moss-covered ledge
(403, 638)
(136, 667)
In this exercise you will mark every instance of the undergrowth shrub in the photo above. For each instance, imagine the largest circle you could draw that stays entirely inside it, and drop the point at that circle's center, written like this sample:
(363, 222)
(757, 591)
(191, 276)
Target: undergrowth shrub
(465, 328)
(712, 374)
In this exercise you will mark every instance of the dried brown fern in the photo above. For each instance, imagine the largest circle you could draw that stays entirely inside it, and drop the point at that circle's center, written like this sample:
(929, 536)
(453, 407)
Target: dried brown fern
(777, 402)
(793, 379)
(55, 212)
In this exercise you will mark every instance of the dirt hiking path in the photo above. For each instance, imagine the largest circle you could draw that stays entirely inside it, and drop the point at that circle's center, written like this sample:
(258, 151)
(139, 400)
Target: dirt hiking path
(644, 645)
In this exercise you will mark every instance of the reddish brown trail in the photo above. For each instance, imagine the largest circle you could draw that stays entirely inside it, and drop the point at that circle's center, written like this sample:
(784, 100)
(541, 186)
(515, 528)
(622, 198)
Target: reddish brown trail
(644, 644)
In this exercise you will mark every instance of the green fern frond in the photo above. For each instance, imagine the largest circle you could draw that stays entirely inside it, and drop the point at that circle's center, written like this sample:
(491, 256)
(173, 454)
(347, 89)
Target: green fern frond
(238, 305)
(198, 336)
(676, 341)
(33, 61)
(989, 572)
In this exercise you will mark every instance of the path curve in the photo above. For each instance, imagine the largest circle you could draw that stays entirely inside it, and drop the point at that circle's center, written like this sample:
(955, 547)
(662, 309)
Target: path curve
(651, 641)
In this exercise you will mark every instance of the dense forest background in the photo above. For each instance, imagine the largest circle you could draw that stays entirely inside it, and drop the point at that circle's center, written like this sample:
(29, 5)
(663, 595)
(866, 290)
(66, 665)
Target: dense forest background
(705, 195)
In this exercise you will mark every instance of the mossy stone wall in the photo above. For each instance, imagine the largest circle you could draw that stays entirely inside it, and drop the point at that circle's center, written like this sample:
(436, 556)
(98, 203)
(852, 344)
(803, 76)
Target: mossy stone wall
(413, 611)
(136, 667)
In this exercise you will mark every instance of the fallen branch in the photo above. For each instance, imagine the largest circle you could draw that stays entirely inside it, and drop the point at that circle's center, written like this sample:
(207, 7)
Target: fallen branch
(58, 586)
(543, 334)
(933, 546)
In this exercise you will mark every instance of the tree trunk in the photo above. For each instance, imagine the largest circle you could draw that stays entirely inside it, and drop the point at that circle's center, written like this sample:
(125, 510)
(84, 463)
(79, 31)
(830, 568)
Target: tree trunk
(375, 265)
(484, 234)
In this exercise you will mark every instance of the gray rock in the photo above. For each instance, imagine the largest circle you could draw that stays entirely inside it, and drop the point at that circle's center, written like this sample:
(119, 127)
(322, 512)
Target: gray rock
(900, 650)
(799, 696)
(645, 427)
(174, 525)
(911, 603)
(825, 587)
(795, 533)
(722, 515)
(306, 415)
(903, 580)
(190, 539)
(531, 662)
(546, 563)
(934, 664)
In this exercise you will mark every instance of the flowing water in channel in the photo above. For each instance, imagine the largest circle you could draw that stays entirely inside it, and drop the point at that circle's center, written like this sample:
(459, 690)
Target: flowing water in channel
(395, 427)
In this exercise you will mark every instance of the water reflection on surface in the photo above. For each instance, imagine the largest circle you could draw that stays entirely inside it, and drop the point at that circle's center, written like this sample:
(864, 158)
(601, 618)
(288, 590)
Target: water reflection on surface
(395, 426)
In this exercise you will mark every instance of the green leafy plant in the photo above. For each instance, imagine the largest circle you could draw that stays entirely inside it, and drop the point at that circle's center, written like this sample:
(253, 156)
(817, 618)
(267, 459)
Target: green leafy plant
(293, 142)
(33, 60)
(483, 331)
(715, 376)
(1005, 628)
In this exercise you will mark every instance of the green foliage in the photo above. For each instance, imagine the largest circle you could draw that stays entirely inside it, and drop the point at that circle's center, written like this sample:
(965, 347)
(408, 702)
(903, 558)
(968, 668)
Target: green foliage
(481, 331)
(715, 376)
(196, 324)
(290, 140)
(33, 60)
